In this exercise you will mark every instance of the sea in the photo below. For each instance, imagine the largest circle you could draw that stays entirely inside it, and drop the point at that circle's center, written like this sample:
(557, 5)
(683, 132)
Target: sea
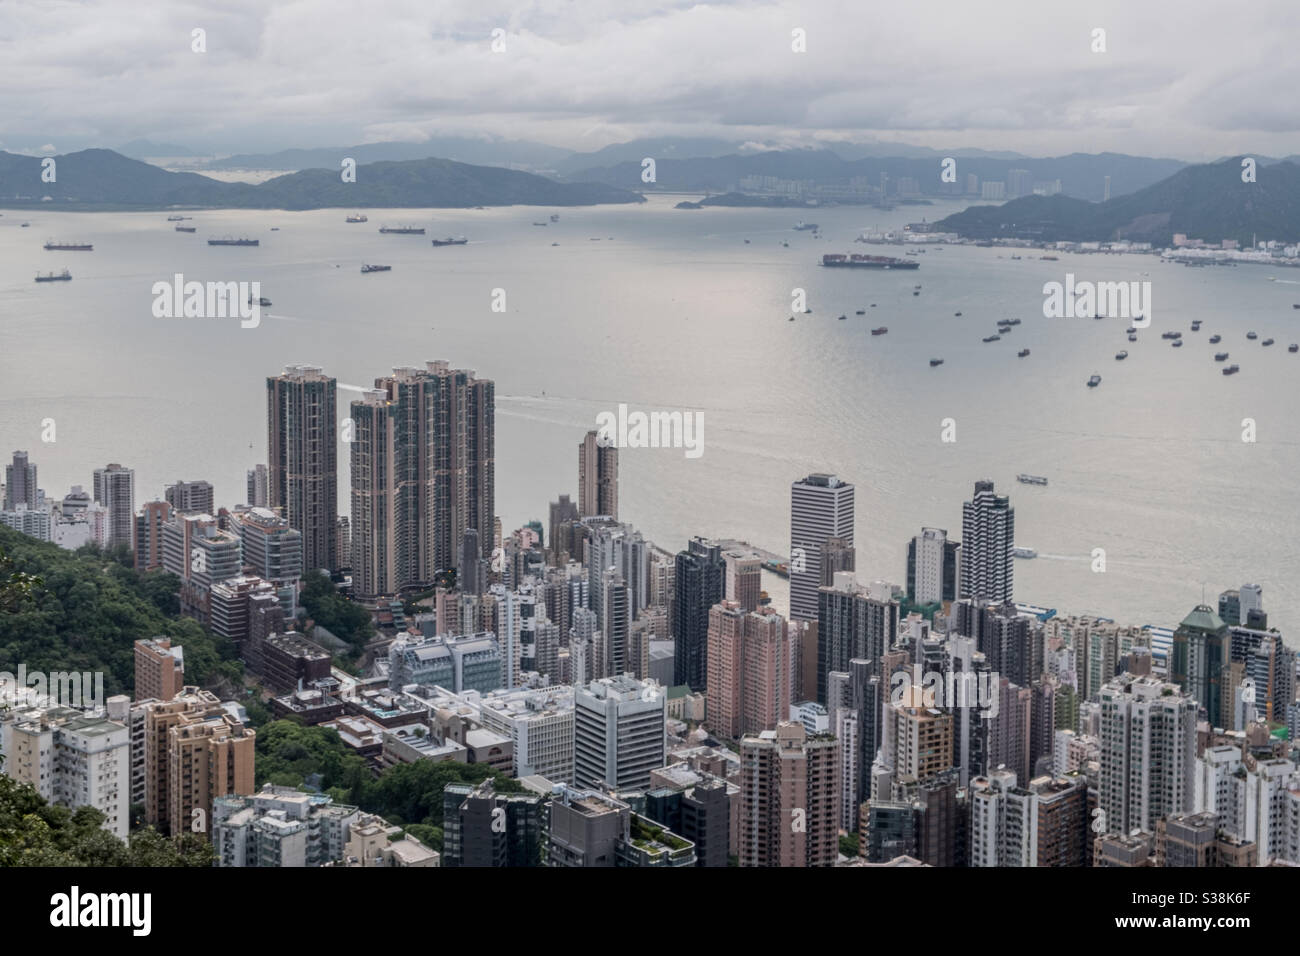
(1154, 501)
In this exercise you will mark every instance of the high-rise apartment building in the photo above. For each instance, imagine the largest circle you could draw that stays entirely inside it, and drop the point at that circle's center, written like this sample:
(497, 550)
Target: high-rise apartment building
(115, 490)
(988, 537)
(853, 621)
(258, 491)
(932, 562)
(20, 484)
(789, 810)
(193, 496)
(302, 455)
(597, 477)
(159, 669)
(821, 507)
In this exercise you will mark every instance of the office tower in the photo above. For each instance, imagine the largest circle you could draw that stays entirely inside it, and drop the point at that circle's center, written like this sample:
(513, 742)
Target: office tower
(1252, 601)
(1198, 661)
(20, 484)
(887, 830)
(198, 552)
(561, 512)
(619, 732)
(698, 584)
(148, 535)
(744, 578)
(836, 555)
(853, 622)
(988, 530)
(725, 669)
(484, 828)
(821, 507)
(539, 721)
(1230, 607)
(258, 491)
(73, 760)
(789, 812)
(195, 752)
(193, 496)
(302, 456)
(597, 477)
(1148, 750)
(159, 669)
(115, 490)
(932, 567)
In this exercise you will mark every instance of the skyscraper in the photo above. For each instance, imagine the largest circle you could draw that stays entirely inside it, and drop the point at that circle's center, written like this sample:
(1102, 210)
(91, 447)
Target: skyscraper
(423, 472)
(699, 583)
(932, 567)
(115, 490)
(789, 801)
(20, 483)
(988, 536)
(258, 491)
(597, 477)
(1199, 660)
(302, 440)
(821, 507)
(852, 622)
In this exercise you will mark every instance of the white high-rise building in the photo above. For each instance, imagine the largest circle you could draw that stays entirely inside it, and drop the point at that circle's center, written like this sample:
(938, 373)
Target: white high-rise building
(1148, 752)
(619, 732)
(821, 507)
(988, 528)
(115, 490)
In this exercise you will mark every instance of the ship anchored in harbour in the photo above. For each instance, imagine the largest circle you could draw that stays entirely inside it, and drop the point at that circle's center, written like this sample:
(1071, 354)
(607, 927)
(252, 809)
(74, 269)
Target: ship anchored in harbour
(855, 261)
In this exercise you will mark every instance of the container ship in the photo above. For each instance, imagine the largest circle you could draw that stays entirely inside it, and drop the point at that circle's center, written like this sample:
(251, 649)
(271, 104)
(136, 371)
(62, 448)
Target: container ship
(368, 268)
(64, 276)
(186, 228)
(449, 241)
(228, 241)
(403, 230)
(1031, 479)
(68, 246)
(867, 262)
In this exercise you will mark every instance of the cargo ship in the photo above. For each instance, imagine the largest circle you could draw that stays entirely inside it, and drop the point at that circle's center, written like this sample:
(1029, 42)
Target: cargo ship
(856, 261)
(369, 268)
(53, 246)
(449, 241)
(991, 338)
(186, 228)
(403, 230)
(228, 241)
(64, 276)
(356, 217)
(1031, 479)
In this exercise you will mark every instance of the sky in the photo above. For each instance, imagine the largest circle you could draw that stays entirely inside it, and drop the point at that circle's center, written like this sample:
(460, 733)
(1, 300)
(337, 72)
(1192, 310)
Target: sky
(1190, 80)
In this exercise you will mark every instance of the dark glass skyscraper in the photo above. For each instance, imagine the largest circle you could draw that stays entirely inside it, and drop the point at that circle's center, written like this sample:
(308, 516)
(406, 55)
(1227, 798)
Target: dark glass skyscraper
(302, 446)
(701, 575)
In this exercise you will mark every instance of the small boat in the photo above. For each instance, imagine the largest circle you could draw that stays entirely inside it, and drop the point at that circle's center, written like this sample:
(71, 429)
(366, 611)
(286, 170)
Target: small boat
(1031, 479)
(957, 314)
(356, 217)
(992, 338)
(1024, 553)
(1120, 356)
(786, 245)
(1293, 347)
(1295, 305)
(914, 292)
(1049, 258)
(1251, 335)
(186, 228)
(880, 331)
(64, 276)
(917, 286)
(24, 225)
(1171, 335)
(1094, 381)
(1015, 258)
(860, 312)
(1196, 325)
(1177, 343)
(555, 243)
(449, 241)
(792, 318)
(1220, 356)
(1132, 337)
(1013, 321)
(178, 218)
(555, 217)
(843, 317)
(540, 224)
(262, 301)
(1232, 370)
(873, 305)
(1022, 353)
(275, 228)
(1267, 342)
(934, 362)
(370, 268)
(1216, 339)
(746, 242)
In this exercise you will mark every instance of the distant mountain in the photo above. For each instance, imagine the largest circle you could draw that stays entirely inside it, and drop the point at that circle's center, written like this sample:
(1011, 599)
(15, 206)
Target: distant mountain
(1207, 202)
(662, 147)
(101, 178)
(479, 152)
(1082, 175)
(145, 149)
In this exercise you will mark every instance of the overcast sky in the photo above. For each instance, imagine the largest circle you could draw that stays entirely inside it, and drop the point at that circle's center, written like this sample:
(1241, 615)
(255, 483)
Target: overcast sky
(1192, 80)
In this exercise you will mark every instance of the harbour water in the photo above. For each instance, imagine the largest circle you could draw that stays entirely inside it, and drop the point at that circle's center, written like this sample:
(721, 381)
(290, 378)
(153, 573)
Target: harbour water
(666, 309)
